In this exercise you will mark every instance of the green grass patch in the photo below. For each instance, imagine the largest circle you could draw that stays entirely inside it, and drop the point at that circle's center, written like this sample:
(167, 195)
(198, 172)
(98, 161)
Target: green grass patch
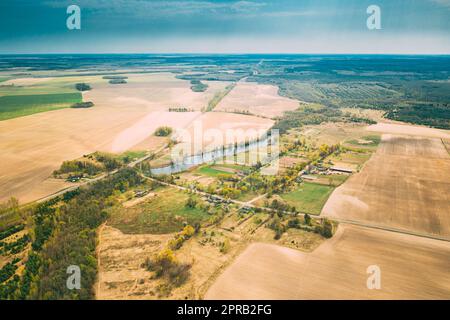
(367, 141)
(22, 105)
(212, 172)
(309, 197)
(165, 213)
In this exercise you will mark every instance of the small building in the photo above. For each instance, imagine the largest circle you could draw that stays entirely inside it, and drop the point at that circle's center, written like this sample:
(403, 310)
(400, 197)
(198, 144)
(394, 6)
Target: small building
(340, 169)
(308, 177)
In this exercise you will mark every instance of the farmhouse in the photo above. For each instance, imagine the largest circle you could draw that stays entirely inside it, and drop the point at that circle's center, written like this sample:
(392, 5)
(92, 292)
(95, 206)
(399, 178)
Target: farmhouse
(342, 170)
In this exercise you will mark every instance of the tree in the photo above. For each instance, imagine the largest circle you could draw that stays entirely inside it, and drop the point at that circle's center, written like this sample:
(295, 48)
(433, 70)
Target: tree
(327, 228)
(307, 219)
(191, 203)
(225, 246)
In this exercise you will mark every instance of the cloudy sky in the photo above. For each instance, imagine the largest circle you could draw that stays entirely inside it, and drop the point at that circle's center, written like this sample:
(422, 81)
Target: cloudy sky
(225, 26)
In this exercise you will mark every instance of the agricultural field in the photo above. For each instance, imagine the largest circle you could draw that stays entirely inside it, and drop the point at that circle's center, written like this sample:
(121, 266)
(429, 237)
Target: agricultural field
(164, 212)
(337, 269)
(256, 99)
(414, 169)
(308, 197)
(23, 105)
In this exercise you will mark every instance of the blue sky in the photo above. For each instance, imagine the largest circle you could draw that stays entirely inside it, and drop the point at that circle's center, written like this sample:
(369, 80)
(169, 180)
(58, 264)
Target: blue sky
(225, 26)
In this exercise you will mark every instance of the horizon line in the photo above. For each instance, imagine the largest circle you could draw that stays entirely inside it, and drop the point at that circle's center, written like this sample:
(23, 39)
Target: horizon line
(225, 53)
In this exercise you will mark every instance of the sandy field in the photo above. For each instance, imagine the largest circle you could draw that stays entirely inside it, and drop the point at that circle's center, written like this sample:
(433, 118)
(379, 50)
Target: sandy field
(157, 92)
(258, 99)
(333, 133)
(119, 274)
(406, 185)
(34, 146)
(411, 268)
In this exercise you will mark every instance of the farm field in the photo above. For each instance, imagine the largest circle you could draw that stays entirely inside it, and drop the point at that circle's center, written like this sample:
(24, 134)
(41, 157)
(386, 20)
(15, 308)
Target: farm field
(23, 105)
(308, 198)
(257, 99)
(337, 269)
(155, 92)
(406, 184)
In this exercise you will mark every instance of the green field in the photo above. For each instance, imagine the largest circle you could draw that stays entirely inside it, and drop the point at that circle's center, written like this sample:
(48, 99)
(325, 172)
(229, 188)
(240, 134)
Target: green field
(210, 171)
(164, 213)
(309, 197)
(23, 105)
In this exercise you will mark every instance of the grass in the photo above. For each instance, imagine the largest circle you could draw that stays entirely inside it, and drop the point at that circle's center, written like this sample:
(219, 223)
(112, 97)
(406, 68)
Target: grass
(23, 105)
(374, 141)
(309, 197)
(212, 172)
(336, 179)
(164, 213)
(131, 155)
(357, 158)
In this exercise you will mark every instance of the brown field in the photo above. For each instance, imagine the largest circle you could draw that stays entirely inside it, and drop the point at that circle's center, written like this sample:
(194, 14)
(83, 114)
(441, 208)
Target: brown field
(124, 117)
(154, 92)
(257, 99)
(288, 162)
(410, 130)
(334, 132)
(337, 269)
(406, 184)
(118, 273)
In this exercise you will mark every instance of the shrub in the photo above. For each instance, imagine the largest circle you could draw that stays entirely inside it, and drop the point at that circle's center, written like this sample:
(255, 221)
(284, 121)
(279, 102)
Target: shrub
(82, 87)
(163, 131)
(82, 105)
(164, 264)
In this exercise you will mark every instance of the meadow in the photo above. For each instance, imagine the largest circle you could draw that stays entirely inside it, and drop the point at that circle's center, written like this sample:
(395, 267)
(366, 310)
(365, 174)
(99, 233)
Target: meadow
(23, 105)
(308, 197)
(166, 212)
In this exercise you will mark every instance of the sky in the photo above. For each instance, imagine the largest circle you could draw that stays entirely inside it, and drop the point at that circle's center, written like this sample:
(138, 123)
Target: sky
(225, 26)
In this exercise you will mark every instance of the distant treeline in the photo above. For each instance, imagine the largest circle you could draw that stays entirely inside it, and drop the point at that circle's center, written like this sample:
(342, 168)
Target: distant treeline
(181, 109)
(82, 87)
(198, 86)
(435, 115)
(315, 115)
(82, 105)
(115, 77)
